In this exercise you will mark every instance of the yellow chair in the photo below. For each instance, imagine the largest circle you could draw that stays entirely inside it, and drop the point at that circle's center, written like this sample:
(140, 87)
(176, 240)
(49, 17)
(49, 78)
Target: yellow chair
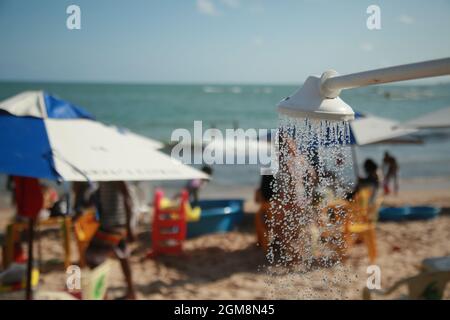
(14, 229)
(361, 221)
(358, 220)
(424, 286)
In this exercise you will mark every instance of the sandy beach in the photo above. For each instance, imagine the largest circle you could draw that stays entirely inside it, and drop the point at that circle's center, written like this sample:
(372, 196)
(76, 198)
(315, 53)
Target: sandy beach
(231, 266)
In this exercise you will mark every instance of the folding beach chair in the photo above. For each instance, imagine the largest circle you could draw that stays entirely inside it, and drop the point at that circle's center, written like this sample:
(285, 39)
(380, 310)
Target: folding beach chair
(361, 221)
(14, 229)
(356, 221)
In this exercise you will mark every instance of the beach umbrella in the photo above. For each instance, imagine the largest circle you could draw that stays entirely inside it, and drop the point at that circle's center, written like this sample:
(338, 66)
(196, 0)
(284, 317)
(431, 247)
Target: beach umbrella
(370, 129)
(46, 137)
(434, 120)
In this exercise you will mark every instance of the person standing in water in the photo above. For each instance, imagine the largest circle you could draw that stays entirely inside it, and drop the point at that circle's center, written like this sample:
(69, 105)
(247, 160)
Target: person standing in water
(390, 172)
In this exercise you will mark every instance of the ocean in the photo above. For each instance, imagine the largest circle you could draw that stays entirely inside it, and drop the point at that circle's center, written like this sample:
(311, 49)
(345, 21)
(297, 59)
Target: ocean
(155, 110)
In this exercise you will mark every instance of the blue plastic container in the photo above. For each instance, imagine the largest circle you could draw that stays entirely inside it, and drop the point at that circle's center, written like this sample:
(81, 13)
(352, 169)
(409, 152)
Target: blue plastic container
(408, 213)
(216, 216)
(393, 214)
(423, 213)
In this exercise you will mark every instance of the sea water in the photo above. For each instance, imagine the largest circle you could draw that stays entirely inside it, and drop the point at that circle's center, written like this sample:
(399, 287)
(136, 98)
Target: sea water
(155, 110)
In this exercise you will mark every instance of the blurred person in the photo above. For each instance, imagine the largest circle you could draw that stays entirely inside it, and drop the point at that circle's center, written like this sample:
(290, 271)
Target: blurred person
(390, 172)
(334, 176)
(110, 240)
(282, 238)
(371, 180)
(263, 196)
(83, 196)
(51, 198)
(193, 186)
(10, 188)
(29, 201)
(135, 206)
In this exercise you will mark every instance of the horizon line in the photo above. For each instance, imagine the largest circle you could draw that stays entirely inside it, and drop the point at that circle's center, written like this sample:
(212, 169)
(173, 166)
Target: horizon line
(416, 82)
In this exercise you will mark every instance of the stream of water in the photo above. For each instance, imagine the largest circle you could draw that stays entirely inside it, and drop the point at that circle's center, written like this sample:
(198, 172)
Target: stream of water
(313, 158)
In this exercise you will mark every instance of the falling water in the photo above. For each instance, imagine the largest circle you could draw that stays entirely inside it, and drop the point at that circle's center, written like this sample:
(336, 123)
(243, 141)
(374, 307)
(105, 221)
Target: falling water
(304, 243)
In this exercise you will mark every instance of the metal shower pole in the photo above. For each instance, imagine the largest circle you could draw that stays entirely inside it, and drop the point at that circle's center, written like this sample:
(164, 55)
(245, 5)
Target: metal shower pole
(332, 83)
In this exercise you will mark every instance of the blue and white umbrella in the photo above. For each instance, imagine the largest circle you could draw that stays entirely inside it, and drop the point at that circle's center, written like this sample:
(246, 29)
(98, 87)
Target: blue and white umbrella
(46, 137)
(370, 129)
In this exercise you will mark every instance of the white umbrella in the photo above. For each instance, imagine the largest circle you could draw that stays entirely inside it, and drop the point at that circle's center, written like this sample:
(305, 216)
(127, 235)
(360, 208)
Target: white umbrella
(369, 129)
(433, 120)
(88, 149)
(46, 137)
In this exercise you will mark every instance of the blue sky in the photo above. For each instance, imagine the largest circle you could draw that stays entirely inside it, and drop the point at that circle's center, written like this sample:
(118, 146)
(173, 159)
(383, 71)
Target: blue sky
(214, 41)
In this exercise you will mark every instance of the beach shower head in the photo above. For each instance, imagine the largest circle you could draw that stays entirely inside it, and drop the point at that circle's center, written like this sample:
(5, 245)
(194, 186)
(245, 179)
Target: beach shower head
(311, 101)
(319, 97)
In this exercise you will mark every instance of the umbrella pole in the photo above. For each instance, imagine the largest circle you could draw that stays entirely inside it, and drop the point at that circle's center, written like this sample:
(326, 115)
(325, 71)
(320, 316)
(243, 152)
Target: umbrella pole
(355, 162)
(29, 295)
(68, 199)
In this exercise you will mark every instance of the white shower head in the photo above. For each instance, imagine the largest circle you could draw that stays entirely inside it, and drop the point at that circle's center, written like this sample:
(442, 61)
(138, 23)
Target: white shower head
(310, 102)
(319, 97)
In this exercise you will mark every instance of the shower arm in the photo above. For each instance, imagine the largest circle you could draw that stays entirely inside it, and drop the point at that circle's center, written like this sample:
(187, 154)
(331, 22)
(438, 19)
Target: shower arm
(331, 83)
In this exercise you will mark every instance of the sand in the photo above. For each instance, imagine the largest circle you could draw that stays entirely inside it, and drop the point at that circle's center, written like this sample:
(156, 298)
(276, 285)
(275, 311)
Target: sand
(231, 266)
